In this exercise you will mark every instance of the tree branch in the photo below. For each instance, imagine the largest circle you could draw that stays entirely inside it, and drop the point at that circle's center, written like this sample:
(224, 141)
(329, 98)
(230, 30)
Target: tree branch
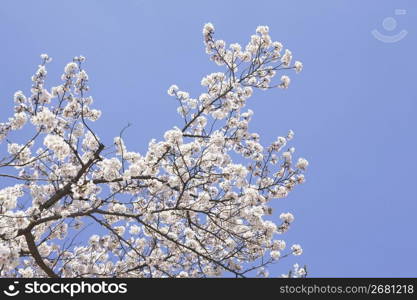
(36, 255)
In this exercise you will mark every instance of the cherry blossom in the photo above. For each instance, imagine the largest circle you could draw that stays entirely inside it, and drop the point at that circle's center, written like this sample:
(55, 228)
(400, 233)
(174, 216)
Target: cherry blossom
(197, 203)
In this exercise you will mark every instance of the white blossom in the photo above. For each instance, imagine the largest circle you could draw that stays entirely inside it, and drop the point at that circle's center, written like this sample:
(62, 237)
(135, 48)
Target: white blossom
(286, 58)
(296, 249)
(70, 68)
(196, 203)
(298, 66)
(285, 81)
(287, 217)
(275, 255)
(302, 163)
(45, 119)
(19, 97)
(57, 145)
(9, 196)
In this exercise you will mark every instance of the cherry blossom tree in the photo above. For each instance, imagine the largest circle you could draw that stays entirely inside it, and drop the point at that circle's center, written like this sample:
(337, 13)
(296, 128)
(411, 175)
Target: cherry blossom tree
(196, 204)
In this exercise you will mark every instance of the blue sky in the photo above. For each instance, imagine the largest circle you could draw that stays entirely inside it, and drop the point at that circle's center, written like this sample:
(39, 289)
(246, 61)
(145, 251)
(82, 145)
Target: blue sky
(352, 108)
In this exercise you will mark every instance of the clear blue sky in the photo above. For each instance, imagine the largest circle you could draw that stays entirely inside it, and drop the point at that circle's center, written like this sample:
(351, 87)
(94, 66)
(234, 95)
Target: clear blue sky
(353, 108)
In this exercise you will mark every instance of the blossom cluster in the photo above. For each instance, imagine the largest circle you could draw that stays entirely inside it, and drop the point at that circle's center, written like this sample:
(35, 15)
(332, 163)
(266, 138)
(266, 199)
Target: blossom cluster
(198, 203)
